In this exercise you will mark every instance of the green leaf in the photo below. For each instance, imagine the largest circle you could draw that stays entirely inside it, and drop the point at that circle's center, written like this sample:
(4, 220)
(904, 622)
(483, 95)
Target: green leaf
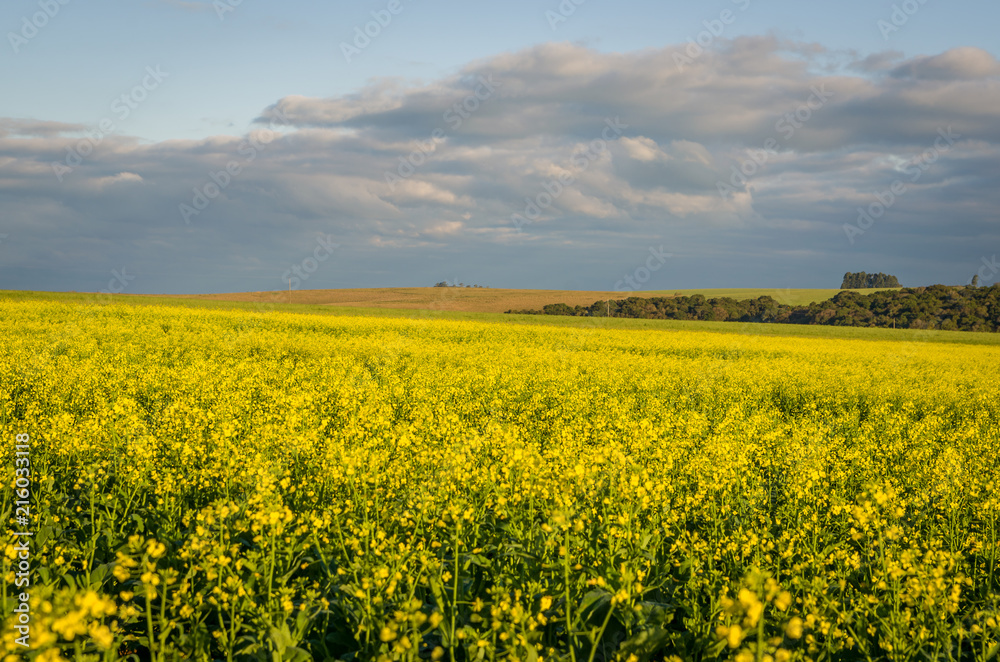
(302, 620)
(295, 654)
(594, 600)
(658, 612)
(140, 525)
(717, 648)
(281, 638)
(479, 560)
(43, 534)
(646, 642)
(99, 574)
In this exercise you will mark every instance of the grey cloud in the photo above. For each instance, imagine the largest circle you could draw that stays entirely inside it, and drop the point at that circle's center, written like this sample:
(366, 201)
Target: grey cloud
(365, 169)
(736, 93)
(187, 5)
(36, 128)
(957, 64)
(877, 62)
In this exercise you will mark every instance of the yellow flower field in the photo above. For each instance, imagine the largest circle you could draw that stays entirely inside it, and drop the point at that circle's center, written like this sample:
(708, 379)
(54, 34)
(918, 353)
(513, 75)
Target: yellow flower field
(236, 485)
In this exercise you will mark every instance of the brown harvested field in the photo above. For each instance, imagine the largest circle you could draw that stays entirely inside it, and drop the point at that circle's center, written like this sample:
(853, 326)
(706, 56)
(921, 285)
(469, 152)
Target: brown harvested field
(488, 300)
(464, 299)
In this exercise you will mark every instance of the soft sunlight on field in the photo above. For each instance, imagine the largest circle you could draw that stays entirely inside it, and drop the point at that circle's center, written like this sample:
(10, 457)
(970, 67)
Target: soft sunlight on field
(223, 484)
(490, 300)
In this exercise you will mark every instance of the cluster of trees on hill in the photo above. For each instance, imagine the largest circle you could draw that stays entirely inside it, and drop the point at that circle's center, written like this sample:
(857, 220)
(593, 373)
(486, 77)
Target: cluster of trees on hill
(861, 280)
(934, 307)
(445, 283)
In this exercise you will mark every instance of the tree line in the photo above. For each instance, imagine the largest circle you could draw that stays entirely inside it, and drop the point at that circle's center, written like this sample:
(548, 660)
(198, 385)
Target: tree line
(861, 281)
(935, 307)
(445, 283)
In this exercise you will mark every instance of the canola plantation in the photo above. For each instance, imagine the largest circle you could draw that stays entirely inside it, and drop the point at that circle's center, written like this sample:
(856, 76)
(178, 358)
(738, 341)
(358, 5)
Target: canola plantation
(227, 484)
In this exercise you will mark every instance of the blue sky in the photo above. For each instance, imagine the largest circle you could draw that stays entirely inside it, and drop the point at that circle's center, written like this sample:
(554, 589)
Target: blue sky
(225, 73)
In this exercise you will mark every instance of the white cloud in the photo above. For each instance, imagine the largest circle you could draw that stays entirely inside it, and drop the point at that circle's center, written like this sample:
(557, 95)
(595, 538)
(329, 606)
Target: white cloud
(120, 178)
(683, 133)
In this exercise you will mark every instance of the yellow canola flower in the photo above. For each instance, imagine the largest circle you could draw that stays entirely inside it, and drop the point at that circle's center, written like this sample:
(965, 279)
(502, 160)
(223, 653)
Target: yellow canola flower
(101, 635)
(155, 549)
(794, 628)
(734, 637)
(71, 625)
(403, 468)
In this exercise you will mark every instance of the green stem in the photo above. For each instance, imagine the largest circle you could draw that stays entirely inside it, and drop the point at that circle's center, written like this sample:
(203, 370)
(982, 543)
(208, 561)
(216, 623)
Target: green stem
(760, 636)
(270, 572)
(232, 632)
(454, 597)
(600, 633)
(993, 551)
(569, 611)
(149, 621)
(163, 622)
(322, 557)
(93, 534)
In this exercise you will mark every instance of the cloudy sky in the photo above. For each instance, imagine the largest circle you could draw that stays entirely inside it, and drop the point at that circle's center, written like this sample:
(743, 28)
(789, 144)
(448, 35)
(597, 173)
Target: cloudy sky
(180, 146)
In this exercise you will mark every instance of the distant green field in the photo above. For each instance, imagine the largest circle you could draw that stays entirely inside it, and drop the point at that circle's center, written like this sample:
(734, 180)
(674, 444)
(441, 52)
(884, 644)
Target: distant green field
(791, 297)
(457, 299)
(582, 323)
